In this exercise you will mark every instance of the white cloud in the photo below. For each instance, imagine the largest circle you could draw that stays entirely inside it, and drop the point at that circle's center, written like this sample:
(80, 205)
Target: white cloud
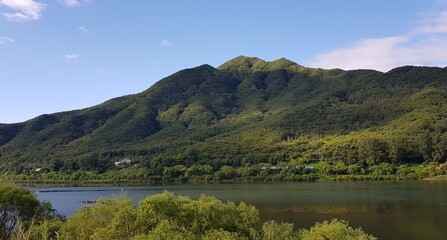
(24, 10)
(83, 29)
(70, 3)
(4, 40)
(157, 62)
(379, 54)
(166, 43)
(103, 71)
(73, 3)
(432, 25)
(425, 44)
(71, 56)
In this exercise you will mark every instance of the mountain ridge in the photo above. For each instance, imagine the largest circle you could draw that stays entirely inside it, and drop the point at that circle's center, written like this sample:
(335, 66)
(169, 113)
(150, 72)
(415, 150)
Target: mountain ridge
(246, 108)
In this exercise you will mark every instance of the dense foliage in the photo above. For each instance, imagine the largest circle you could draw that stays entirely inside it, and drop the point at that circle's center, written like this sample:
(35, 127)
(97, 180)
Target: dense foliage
(247, 119)
(165, 216)
(19, 208)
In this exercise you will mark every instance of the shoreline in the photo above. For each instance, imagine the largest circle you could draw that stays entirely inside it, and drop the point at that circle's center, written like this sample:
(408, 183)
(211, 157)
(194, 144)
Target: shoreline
(178, 182)
(439, 178)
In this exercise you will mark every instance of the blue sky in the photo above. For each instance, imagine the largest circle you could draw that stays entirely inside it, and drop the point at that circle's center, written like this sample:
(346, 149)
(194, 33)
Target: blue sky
(58, 55)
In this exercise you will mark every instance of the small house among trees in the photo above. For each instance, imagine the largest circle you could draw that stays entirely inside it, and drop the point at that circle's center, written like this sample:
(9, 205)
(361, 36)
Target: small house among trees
(123, 163)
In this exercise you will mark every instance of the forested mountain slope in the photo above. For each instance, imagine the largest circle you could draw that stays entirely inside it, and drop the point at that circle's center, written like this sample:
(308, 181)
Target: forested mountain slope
(245, 112)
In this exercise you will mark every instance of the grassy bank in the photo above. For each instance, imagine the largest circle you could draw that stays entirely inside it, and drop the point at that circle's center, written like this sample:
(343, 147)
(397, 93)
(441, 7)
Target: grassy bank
(436, 178)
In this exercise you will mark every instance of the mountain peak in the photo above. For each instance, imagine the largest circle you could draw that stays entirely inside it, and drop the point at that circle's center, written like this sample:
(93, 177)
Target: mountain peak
(253, 64)
(241, 64)
(284, 62)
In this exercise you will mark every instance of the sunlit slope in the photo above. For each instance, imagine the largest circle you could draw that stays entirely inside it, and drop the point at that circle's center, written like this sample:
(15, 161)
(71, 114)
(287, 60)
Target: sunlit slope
(247, 111)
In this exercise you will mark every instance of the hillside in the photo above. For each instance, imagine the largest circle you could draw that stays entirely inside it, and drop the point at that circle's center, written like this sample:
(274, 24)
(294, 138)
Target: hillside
(243, 113)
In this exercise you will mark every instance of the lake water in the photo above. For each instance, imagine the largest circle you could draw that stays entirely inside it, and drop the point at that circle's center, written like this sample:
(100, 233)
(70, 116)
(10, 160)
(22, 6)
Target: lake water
(388, 210)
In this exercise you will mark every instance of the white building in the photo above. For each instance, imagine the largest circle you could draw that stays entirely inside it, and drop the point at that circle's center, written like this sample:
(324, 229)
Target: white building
(123, 163)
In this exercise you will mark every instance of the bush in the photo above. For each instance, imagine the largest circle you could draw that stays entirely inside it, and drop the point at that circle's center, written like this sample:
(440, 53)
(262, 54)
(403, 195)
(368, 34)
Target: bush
(166, 216)
(335, 229)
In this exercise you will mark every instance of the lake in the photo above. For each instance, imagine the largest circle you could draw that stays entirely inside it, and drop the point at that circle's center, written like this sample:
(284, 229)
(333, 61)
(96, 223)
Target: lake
(388, 210)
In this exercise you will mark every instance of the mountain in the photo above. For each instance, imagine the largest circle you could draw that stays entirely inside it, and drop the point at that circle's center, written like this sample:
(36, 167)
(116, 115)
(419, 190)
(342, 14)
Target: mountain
(247, 111)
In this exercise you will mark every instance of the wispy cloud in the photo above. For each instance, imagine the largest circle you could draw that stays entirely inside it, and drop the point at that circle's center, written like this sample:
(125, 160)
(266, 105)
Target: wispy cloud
(73, 3)
(4, 40)
(102, 71)
(23, 10)
(430, 25)
(166, 43)
(157, 62)
(425, 44)
(70, 3)
(83, 29)
(71, 56)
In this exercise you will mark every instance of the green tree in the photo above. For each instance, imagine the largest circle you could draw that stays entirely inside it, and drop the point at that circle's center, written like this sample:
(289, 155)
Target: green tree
(382, 169)
(226, 172)
(214, 234)
(272, 230)
(167, 230)
(19, 206)
(199, 170)
(334, 230)
(373, 150)
(46, 230)
(102, 217)
(198, 216)
(175, 171)
(399, 149)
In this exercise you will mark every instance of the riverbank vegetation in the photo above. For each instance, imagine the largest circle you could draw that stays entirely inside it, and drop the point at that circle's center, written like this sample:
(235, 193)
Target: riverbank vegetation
(321, 171)
(160, 216)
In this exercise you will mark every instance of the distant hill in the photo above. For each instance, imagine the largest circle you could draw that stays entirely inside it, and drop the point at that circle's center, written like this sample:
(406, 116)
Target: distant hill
(247, 111)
